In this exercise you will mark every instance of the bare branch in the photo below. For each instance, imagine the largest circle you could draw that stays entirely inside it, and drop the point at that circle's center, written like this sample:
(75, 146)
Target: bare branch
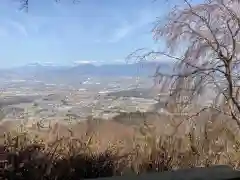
(24, 4)
(204, 41)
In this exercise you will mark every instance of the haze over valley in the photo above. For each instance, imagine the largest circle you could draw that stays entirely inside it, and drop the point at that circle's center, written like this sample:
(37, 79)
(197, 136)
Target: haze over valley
(67, 94)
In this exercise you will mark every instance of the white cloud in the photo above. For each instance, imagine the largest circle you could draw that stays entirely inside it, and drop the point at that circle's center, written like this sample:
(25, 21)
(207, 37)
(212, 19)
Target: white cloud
(84, 62)
(9, 26)
(35, 23)
(19, 27)
(120, 33)
(49, 63)
(145, 17)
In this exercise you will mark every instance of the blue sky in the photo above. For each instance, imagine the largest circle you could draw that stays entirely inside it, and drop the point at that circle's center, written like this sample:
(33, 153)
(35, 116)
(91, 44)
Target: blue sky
(64, 33)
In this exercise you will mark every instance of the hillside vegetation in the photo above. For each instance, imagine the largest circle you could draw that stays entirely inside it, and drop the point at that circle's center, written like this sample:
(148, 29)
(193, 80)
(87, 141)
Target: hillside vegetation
(105, 148)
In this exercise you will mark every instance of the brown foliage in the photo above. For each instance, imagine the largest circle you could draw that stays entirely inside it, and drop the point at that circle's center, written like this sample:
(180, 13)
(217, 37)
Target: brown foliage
(148, 150)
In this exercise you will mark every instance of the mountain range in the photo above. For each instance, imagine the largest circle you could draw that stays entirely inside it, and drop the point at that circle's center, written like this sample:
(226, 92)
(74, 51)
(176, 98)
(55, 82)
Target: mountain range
(39, 71)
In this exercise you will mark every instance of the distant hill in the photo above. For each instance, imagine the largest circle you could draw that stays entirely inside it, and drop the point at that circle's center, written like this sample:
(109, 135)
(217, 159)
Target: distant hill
(137, 69)
(46, 72)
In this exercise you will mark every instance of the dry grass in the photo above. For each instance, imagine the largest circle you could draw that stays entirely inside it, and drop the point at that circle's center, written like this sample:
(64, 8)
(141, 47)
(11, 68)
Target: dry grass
(81, 151)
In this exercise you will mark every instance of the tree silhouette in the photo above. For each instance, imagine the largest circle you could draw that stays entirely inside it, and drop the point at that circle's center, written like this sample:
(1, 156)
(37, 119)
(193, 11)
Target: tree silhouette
(24, 4)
